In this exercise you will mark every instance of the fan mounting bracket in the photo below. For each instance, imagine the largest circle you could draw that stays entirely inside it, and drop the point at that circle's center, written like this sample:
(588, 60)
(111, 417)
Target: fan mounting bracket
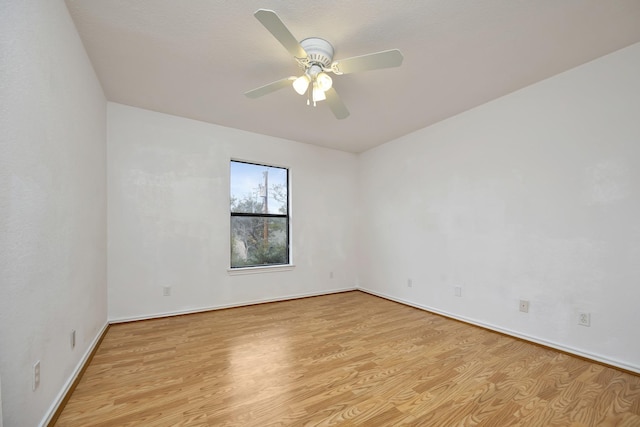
(319, 52)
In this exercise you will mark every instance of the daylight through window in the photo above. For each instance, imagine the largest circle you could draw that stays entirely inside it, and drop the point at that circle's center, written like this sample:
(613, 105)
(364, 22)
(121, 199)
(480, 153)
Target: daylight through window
(259, 215)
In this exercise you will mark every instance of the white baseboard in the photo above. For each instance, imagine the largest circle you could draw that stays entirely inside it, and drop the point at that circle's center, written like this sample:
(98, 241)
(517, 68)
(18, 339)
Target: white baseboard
(222, 307)
(541, 341)
(67, 386)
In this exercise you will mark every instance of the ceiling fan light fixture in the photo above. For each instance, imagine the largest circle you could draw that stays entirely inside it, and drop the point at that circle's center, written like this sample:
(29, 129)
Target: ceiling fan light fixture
(315, 56)
(324, 81)
(301, 84)
(318, 93)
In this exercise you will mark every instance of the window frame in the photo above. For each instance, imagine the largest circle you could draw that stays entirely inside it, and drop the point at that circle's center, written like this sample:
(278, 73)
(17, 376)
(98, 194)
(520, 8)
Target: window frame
(250, 269)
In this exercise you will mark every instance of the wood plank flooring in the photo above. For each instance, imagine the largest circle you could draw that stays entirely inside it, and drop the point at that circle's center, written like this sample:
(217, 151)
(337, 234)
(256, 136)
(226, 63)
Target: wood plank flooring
(342, 359)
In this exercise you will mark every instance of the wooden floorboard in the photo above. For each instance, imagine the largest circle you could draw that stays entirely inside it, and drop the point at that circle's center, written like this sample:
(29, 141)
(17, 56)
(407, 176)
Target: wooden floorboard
(341, 359)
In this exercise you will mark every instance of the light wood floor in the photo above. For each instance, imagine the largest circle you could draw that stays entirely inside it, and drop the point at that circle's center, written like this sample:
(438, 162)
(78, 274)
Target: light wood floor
(343, 359)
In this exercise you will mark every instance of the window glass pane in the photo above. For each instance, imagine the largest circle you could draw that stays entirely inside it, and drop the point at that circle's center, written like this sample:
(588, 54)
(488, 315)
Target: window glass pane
(258, 189)
(258, 241)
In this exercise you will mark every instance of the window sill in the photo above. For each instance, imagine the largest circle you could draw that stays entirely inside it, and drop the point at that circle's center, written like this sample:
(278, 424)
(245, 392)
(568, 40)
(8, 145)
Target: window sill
(261, 269)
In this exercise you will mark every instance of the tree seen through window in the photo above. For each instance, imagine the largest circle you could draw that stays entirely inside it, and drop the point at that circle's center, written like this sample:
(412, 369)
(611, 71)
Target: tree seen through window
(259, 215)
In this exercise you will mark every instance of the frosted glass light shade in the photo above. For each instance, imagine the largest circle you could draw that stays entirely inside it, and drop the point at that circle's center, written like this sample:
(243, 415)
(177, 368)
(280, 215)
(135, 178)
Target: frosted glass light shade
(318, 94)
(324, 81)
(301, 84)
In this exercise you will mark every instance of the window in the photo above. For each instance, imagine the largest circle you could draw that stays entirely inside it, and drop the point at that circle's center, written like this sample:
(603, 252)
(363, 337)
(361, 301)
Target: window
(259, 215)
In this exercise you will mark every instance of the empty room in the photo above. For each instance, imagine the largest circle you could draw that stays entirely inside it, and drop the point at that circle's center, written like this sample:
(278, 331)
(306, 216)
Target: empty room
(378, 213)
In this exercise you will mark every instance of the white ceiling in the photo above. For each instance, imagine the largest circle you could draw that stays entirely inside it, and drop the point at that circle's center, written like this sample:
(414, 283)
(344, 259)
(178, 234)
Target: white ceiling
(196, 58)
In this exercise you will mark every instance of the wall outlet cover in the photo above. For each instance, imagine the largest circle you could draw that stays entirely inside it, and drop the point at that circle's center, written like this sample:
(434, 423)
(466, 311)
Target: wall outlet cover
(36, 375)
(584, 319)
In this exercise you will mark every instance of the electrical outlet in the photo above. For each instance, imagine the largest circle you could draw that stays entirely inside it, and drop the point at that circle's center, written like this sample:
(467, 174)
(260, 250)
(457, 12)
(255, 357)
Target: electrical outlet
(458, 291)
(409, 283)
(166, 291)
(73, 338)
(524, 306)
(36, 375)
(584, 319)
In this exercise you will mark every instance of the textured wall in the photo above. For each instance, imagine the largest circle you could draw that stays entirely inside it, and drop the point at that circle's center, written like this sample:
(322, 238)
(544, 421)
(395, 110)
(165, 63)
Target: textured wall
(52, 205)
(168, 214)
(533, 196)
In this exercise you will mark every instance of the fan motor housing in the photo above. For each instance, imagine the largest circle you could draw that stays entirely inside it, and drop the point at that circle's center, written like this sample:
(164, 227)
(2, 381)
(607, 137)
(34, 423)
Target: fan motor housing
(319, 51)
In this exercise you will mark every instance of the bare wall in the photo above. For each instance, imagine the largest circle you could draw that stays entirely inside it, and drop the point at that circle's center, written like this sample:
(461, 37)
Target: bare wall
(168, 214)
(533, 196)
(52, 206)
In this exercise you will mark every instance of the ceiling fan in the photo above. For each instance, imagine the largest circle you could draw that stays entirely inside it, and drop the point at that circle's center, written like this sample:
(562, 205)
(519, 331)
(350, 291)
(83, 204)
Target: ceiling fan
(315, 56)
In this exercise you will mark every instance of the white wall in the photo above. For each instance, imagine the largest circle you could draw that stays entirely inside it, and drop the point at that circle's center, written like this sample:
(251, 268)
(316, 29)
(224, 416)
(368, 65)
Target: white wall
(533, 196)
(168, 215)
(52, 205)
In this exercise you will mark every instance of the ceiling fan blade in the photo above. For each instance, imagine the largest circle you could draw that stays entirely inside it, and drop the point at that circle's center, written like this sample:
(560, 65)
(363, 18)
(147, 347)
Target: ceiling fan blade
(372, 61)
(268, 88)
(272, 22)
(335, 103)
